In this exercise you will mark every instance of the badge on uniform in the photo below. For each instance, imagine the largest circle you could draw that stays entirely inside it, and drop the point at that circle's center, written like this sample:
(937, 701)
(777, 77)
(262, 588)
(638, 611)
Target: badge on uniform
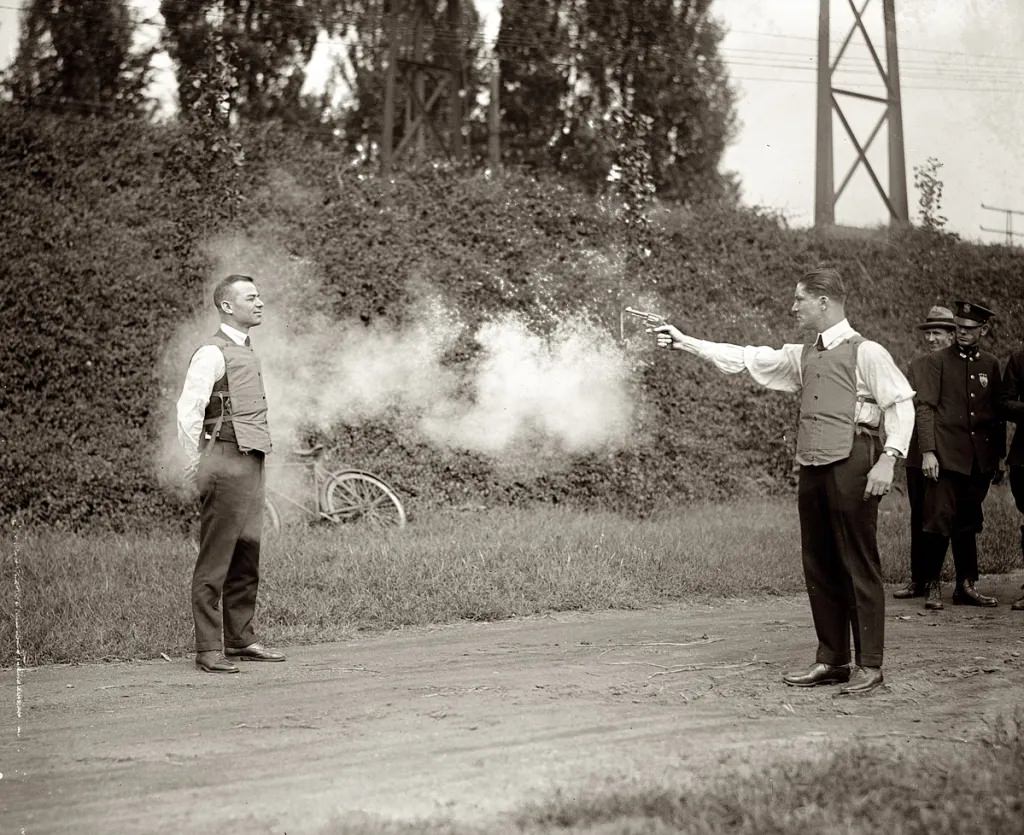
(983, 379)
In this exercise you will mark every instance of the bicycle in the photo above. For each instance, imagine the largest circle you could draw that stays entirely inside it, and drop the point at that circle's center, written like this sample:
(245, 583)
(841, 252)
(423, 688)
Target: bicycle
(345, 496)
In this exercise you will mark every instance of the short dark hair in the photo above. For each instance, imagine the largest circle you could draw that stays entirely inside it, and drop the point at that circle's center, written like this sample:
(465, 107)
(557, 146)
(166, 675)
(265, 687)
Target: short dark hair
(824, 281)
(221, 291)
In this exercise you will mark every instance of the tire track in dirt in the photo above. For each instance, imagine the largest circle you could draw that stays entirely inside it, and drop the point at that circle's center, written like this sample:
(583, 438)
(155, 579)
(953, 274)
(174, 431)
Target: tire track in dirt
(475, 719)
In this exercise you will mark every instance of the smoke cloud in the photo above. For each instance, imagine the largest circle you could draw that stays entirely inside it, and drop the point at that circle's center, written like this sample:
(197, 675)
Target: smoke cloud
(559, 393)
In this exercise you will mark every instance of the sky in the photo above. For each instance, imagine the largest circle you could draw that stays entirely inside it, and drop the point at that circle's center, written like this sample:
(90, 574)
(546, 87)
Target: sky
(962, 73)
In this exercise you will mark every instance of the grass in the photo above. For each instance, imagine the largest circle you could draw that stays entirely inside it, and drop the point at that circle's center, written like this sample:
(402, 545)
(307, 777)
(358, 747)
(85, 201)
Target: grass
(95, 596)
(859, 789)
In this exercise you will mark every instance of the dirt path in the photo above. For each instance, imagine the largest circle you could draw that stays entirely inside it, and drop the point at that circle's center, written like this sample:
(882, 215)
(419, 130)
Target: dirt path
(476, 719)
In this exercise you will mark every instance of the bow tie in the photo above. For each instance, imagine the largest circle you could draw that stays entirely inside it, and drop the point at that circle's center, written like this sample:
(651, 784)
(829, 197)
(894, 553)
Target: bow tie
(969, 353)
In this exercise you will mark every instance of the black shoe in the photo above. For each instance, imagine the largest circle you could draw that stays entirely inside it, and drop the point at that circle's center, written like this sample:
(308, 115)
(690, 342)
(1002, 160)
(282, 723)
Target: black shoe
(1018, 605)
(818, 674)
(212, 661)
(863, 680)
(911, 589)
(967, 595)
(934, 600)
(254, 652)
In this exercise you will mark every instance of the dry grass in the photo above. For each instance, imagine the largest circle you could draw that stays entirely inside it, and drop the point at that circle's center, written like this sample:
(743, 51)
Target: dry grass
(93, 596)
(860, 790)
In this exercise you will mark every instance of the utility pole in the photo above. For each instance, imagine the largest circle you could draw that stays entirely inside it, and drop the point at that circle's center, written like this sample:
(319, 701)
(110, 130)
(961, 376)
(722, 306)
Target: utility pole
(426, 85)
(494, 118)
(829, 98)
(1008, 230)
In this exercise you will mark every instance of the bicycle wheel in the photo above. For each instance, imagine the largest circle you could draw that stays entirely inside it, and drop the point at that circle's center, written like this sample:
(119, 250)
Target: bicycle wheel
(351, 496)
(271, 518)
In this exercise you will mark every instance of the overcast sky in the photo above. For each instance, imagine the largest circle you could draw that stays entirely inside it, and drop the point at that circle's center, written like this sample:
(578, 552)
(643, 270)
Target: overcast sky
(962, 68)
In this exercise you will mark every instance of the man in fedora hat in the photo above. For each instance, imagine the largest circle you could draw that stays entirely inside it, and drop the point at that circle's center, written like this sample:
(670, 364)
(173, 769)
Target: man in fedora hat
(938, 331)
(962, 437)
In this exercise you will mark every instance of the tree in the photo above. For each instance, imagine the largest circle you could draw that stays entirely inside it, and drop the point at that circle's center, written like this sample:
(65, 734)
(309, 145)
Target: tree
(657, 59)
(363, 70)
(534, 55)
(927, 182)
(80, 57)
(267, 45)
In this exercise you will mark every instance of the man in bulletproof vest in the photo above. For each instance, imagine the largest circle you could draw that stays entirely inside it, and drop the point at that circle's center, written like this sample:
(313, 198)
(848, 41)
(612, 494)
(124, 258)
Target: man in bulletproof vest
(962, 438)
(222, 425)
(849, 389)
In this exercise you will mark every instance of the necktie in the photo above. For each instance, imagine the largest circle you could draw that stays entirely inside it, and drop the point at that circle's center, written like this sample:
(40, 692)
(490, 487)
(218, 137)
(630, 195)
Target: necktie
(819, 343)
(247, 343)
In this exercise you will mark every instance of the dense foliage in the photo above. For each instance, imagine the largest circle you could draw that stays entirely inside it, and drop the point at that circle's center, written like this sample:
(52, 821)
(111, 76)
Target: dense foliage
(92, 289)
(569, 66)
(79, 58)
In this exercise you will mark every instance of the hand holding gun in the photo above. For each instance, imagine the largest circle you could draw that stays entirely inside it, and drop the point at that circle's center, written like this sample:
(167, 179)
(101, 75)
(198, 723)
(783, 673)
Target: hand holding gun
(668, 335)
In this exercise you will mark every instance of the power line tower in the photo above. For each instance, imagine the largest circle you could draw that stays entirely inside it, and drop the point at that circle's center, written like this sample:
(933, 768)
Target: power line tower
(829, 98)
(1008, 231)
(427, 83)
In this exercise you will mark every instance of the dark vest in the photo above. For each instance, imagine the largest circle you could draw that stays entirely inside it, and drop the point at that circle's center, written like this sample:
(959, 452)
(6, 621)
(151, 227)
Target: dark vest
(237, 411)
(828, 403)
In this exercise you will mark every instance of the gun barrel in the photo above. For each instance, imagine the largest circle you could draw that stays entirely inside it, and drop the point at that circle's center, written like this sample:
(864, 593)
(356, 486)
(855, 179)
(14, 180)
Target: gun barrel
(650, 318)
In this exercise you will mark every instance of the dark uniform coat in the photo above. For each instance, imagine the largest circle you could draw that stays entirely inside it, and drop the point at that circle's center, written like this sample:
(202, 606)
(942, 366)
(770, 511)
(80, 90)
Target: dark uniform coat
(914, 451)
(1012, 402)
(958, 398)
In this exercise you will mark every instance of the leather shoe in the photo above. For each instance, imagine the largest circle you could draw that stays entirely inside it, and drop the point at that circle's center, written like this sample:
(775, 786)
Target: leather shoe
(818, 674)
(254, 652)
(911, 589)
(967, 595)
(863, 680)
(1018, 605)
(212, 661)
(934, 600)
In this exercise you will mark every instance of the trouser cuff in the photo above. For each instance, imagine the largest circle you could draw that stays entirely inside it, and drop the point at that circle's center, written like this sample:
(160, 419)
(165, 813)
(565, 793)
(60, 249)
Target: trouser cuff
(831, 658)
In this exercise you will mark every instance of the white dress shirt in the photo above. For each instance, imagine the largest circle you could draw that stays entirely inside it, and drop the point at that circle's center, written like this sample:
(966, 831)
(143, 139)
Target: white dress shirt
(780, 369)
(206, 368)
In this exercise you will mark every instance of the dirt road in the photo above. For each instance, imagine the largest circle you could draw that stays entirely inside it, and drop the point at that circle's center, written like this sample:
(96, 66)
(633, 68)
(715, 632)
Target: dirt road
(473, 720)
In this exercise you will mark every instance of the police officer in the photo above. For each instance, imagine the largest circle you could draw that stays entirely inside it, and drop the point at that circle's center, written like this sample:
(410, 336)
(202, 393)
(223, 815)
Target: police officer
(962, 437)
(938, 332)
(1012, 409)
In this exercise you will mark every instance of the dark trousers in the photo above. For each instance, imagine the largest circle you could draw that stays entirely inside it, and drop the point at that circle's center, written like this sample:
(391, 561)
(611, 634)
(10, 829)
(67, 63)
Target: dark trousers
(915, 495)
(1017, 488)
(922, 545)
(1017, 485)
(838, 529)
(953, 512)
(226, 576)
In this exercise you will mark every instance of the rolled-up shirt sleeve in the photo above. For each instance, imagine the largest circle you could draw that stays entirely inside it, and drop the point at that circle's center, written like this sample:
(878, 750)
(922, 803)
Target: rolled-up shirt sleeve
(891, 390)
(206, 367)
(774, 368)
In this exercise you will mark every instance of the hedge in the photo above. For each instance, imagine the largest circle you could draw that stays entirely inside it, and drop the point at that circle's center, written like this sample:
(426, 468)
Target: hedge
(94, 294)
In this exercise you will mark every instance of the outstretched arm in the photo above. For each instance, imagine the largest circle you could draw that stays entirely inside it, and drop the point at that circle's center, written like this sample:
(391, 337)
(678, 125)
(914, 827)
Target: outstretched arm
(774, 368)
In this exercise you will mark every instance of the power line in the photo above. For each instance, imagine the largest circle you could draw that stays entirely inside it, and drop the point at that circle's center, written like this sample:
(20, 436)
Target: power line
(963, 80)
(303, 13)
